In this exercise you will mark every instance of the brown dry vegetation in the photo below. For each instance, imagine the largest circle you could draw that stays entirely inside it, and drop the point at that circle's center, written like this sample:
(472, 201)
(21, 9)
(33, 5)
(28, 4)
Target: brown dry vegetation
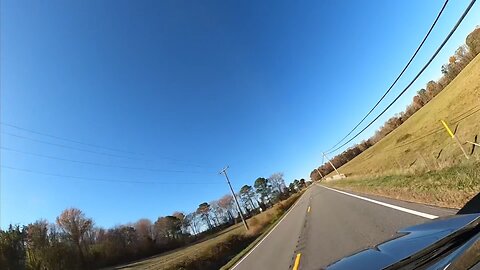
(217, 251)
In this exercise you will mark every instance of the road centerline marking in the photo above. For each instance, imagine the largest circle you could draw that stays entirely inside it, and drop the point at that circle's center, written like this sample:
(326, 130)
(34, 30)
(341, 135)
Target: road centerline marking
(297, 261)
(265, 237)
(399, 208)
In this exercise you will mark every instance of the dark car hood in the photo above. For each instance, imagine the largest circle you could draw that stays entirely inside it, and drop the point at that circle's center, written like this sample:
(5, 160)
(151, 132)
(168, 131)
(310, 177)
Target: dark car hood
(410, 242)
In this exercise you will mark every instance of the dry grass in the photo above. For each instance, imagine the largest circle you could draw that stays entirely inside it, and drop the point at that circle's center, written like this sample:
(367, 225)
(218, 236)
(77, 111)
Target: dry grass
(422, 135)
(450, 187)
(218, 250)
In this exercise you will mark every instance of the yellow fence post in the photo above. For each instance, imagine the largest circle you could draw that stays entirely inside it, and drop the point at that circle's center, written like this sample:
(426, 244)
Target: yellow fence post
(455, 138)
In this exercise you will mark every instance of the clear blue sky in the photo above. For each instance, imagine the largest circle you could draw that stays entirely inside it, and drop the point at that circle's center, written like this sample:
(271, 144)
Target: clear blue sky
(262, 86)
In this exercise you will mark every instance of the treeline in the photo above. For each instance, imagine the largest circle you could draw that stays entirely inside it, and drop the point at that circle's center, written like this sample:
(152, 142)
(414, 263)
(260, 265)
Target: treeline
(456, 63)
(74, 242)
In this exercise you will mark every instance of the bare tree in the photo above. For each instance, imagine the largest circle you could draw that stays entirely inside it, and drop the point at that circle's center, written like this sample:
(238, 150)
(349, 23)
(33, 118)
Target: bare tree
(191, 220)
(144, 228)
(277, 182)
(74, 223)
(217, 212)
(226, 203)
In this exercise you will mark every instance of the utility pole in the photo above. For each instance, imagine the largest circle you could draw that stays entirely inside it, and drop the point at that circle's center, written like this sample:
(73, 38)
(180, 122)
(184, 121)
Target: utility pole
(224, 172)
(331, 163)
(319, 173)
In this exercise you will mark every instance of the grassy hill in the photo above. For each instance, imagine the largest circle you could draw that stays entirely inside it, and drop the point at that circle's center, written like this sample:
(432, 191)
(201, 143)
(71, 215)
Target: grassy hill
(419, 161)
(421, 143)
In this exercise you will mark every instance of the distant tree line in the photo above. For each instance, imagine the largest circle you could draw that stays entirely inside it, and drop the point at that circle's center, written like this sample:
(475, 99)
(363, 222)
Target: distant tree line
(456, 63)
(74, 242)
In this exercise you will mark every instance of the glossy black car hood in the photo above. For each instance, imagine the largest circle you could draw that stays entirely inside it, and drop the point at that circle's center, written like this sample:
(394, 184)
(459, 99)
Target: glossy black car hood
(410, 241)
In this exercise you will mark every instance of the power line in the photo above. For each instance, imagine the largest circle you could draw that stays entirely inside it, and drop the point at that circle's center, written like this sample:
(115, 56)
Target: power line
(65, 139)
(103, 179)
(100, 164)
(76, 148)
(99, 146)
(414, 79)
(398, 77)
(68, 147)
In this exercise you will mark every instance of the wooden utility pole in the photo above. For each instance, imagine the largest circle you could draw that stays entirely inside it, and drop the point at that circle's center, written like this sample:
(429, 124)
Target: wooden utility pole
(224, 172)
(319, 173)
(331, 163)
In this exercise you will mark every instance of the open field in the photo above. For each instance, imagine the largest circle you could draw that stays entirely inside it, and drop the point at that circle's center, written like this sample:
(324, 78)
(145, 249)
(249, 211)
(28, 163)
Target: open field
(164, 261)
(225, 244)
(421, 143)
(450, 187)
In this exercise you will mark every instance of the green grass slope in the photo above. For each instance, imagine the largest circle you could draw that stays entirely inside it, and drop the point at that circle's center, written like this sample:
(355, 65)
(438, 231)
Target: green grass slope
(421, 143)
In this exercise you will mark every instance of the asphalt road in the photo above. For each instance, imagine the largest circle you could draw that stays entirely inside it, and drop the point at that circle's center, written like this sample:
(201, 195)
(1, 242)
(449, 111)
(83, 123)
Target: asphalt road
(325, 226)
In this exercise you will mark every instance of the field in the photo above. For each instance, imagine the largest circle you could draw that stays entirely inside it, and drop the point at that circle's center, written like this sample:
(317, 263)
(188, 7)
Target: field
(171, 258)
(421, 143)
(219, 248)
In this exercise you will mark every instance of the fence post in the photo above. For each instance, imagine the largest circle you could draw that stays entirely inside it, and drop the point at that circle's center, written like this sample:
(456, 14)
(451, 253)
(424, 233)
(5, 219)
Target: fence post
(455, 138)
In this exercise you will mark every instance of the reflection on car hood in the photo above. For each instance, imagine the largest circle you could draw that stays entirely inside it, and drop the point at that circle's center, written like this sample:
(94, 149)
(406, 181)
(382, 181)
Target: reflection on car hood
(410, 242)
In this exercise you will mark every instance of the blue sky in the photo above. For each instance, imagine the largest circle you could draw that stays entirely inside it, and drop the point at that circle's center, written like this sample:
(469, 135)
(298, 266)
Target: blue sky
(192, 86)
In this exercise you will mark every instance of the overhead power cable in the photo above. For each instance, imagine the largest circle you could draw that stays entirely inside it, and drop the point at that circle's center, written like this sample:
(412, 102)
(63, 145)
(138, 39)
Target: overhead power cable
(104, 179)
(396, 80)
(65, 139)
(414, 79)
(186, 162)
(77, 148)
(68, 146)
(100, 164)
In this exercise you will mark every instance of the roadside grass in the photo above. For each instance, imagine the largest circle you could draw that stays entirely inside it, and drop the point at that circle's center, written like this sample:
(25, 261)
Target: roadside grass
(422, 136)
(449, 187)
(216, 251)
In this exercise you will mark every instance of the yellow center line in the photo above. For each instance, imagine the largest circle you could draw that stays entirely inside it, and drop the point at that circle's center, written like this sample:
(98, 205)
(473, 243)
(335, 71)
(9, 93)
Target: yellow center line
(297, 261)
(308, 210)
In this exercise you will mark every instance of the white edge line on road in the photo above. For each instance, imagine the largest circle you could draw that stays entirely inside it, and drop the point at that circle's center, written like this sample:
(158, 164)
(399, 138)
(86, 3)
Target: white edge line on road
(291, 208)
(403, 209)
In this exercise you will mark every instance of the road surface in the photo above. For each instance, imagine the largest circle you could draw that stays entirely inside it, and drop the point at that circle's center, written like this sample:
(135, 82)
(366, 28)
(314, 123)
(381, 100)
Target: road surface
(326, 225)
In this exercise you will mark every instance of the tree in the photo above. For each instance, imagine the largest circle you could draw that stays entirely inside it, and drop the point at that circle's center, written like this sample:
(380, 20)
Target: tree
(226, 203)
(168, 227)
(74, 223)
(473, 41)
(144, 229)
(277, 182)
(191, 220)
(216, 212)
(423, 96)
(292, 188)
(183, 222)
(37, 244)
(204, 211)
(246, 195)
(263, 188)
(296, 182)
(12, 248)
(302, 183)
